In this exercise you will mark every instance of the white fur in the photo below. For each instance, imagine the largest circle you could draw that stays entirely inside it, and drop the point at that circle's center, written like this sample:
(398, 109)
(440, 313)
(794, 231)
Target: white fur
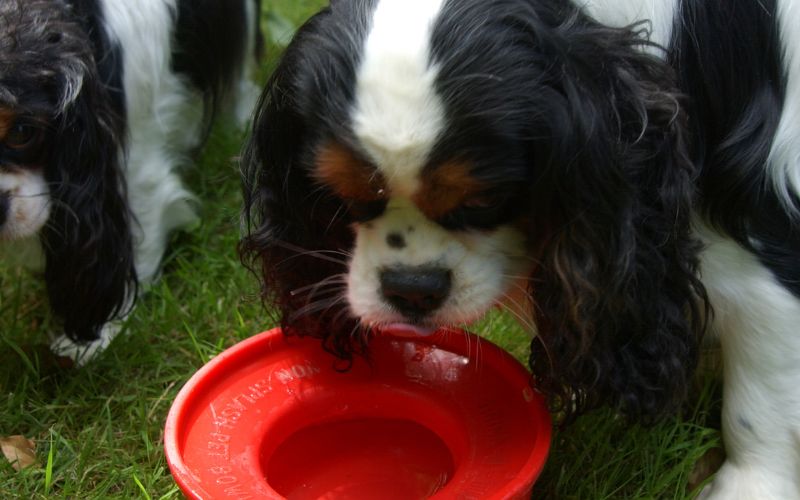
(29, 203)
(483, 266)
(757, 321)
(82, 353)
(784, 159)
(398, 116)
(165, 123)
(398, 119)
(164, 117)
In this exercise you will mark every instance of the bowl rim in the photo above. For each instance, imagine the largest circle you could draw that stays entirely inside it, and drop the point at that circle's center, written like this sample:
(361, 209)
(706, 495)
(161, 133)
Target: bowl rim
(450, 339)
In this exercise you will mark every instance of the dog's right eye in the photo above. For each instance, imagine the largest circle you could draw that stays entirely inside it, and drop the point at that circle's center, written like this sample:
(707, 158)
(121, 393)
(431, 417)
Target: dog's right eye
(480, 212)
(22, 135)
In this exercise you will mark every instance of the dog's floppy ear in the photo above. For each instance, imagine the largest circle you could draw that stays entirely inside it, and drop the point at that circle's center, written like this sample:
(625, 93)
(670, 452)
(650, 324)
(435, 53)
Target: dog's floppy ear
(296, 233)
(618, 304)
(89, 269)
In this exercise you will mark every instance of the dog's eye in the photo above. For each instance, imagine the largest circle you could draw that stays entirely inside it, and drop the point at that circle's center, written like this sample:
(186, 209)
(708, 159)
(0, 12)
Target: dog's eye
(485, 211)
(22, 135)
(364, 211)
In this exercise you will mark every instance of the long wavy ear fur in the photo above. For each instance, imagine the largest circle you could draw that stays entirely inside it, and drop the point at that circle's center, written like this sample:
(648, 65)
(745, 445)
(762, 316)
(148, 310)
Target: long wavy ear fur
(89, 270)
(618, 303)
(297, 234)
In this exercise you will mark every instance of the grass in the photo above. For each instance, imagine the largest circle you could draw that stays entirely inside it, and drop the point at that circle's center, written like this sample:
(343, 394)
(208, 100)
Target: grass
(99, 429)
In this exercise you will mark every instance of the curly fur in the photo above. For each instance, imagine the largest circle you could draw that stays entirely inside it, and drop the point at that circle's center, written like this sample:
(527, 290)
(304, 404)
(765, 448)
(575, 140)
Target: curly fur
(87, 240)
(114, 114)
(619, 306)
(558, 137)
(615, 287)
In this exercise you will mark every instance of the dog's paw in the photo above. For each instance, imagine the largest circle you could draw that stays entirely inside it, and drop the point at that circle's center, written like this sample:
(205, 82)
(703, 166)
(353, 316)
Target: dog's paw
(750, 483)
(82, 352)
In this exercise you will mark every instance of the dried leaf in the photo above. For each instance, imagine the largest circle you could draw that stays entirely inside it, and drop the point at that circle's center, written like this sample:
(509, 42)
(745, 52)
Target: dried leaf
(705, 467)
(19, 450)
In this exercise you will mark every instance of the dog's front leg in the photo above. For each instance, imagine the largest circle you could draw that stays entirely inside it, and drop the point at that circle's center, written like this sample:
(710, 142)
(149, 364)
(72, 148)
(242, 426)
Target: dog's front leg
(758, 323)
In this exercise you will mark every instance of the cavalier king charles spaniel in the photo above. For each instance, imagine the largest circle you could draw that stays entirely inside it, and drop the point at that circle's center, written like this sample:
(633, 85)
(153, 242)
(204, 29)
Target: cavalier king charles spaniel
(624, 175)
(101, 101)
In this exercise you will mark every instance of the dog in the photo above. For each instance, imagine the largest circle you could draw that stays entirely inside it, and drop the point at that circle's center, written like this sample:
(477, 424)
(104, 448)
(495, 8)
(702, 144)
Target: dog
(622, 175)
(101, 102)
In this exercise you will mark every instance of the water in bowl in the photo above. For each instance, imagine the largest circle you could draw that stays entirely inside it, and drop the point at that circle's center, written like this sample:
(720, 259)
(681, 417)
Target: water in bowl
(360, 459)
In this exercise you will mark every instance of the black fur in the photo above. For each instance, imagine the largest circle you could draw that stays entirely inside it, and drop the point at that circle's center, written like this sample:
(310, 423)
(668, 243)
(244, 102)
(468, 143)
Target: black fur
(87, 241)
(729, 57)
(60, 71)
(209, 46)
(295, 232)
(568, 123)
(107, 55)
(4, 204)
(88, 245)
(594, 129)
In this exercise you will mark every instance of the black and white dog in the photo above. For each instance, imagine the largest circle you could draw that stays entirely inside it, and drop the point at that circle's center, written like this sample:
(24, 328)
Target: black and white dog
(622, 174)
(100, 102)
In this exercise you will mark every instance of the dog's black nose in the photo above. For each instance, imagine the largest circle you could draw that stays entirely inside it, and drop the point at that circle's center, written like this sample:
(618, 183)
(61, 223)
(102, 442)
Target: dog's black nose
(5, 204)
(415, 291)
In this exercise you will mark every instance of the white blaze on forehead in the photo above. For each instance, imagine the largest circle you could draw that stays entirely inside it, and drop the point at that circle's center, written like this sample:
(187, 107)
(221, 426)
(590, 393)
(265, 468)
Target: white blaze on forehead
(397, 115)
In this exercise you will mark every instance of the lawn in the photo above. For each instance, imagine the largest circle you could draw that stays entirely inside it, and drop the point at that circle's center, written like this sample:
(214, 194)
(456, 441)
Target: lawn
(99, 430)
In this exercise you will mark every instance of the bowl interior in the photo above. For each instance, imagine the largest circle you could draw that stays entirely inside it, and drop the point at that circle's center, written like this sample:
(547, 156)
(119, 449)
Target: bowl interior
(277, 417)
(360, 458)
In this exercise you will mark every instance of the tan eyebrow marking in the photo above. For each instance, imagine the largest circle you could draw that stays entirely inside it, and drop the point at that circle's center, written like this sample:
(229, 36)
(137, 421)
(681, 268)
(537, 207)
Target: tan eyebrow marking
(349, 176)
(445, 187)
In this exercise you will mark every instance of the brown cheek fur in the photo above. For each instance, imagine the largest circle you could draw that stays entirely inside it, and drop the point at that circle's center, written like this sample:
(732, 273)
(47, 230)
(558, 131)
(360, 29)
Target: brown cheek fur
(445, 187)
(7, 118)
(347, 175)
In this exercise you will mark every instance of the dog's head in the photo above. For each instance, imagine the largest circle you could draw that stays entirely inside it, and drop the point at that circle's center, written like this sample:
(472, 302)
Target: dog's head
(421, 162)
(60, 142)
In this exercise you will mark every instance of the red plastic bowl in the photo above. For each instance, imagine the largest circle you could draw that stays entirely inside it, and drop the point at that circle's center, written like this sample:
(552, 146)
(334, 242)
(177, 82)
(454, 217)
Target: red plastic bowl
(445, 416)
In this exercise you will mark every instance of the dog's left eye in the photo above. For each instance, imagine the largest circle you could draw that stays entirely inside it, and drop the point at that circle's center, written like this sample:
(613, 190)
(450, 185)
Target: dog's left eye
(364, 211)
(22, 135)
(484, 211)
